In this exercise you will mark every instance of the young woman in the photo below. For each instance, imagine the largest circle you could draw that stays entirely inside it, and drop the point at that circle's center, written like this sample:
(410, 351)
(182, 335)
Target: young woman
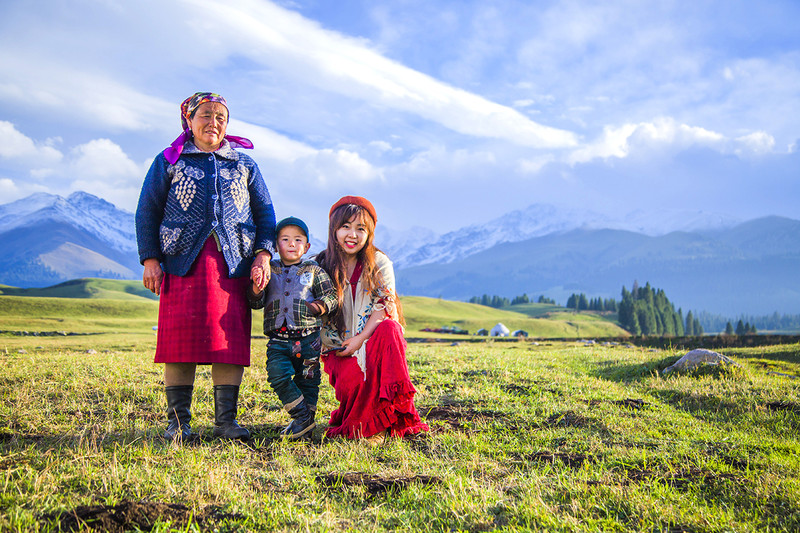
(365, 357)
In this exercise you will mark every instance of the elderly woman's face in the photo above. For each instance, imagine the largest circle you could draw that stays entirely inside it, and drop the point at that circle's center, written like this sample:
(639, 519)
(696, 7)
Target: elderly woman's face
(208, 125)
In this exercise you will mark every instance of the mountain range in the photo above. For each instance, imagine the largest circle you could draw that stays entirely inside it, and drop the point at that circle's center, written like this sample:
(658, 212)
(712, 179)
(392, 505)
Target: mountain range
(47, 239)
(749, 268)
(703, 261)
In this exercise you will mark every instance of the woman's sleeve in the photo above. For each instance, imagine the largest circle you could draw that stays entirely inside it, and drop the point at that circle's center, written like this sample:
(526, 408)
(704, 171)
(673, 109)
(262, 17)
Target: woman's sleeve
(150, 209)
(385, 295)
(263, 212)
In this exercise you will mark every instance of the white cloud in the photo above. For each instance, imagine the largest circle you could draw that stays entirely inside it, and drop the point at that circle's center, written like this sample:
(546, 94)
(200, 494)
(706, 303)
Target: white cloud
(8, 188)
(660, 134)
(269, 144)
(533, 165)
(756, 143)
(18, 146)
(281, 39)
(105, 102)
(335, 167)
(383, 146)
(102, 158)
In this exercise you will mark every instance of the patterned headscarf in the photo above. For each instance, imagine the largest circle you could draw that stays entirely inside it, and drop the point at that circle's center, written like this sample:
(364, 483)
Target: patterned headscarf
(189, 106)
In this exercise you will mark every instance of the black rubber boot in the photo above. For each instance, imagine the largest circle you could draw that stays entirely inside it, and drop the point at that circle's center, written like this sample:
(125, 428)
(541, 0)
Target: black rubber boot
(302, 422)
(179, 402)
(225, 425)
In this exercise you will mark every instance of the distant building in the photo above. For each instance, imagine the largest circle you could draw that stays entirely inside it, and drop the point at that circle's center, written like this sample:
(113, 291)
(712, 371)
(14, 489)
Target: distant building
(520, 333)
(482, 332)
(499, 331)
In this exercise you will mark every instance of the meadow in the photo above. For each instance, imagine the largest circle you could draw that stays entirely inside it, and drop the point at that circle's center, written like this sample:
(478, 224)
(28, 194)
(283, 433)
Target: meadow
(524, 436)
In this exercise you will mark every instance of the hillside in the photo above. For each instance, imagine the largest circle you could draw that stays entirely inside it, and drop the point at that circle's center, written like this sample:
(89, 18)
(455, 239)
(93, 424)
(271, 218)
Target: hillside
(86, 288)
(83, 303)
(539, 320)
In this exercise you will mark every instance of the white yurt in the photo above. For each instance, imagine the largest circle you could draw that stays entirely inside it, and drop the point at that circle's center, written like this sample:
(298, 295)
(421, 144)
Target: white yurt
(499, 331)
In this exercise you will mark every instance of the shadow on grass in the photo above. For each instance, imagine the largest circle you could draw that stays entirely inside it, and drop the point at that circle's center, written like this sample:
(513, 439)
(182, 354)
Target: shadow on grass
(138, 516)
(375, 485)
(784, 355)
(626, 373)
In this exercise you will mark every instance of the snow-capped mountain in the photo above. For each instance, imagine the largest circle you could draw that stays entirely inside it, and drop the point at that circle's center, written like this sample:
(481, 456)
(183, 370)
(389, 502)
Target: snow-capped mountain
(82, 210)
(46, 239)
(536, 221)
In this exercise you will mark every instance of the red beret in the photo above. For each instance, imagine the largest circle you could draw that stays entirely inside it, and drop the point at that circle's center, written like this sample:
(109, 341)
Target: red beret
(360, 201)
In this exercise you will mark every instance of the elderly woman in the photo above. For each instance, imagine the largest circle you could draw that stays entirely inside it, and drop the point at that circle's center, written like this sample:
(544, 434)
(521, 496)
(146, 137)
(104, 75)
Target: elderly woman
(204, 219)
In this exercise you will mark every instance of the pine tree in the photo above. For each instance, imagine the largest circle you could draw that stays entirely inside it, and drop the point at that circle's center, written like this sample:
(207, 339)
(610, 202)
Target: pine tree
(689, 324)
(729, 329)
(572, 302)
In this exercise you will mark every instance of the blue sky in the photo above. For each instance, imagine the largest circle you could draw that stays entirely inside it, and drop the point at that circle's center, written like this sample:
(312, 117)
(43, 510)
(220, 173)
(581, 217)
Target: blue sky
(444, 113)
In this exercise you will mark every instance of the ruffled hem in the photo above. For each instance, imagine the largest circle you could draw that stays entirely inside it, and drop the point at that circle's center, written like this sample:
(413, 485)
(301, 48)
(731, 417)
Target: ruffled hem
(395, 412)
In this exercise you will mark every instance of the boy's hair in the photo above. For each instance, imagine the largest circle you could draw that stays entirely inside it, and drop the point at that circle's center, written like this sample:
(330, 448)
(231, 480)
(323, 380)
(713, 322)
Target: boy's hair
(332, 259)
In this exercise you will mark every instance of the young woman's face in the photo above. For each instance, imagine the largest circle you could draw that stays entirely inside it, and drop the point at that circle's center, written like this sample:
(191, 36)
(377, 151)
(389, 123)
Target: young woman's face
(352, 235)
(208, 125)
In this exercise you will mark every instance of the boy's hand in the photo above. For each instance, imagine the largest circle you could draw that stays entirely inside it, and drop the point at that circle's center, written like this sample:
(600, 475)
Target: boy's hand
(260, 272)
(316, 307)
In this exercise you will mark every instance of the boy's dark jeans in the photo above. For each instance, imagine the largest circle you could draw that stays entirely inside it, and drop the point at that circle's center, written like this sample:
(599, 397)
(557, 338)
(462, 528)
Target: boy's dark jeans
(293, 370)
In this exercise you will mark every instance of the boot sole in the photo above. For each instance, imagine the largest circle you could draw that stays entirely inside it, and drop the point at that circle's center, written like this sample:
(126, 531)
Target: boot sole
(295, 436)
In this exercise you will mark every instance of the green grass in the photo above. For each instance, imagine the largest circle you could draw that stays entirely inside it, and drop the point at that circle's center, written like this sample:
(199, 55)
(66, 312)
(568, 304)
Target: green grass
(522, 437)
(87, 288)
(554, 436)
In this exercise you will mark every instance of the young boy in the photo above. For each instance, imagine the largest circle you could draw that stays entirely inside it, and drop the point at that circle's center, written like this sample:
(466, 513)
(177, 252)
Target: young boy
(298, 294)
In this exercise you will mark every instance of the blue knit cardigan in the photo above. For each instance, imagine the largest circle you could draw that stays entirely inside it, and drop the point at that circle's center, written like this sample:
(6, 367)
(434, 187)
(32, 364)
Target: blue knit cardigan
(181, 204)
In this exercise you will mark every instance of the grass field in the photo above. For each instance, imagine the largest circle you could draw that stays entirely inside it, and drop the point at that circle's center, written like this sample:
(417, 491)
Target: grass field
(547, 436)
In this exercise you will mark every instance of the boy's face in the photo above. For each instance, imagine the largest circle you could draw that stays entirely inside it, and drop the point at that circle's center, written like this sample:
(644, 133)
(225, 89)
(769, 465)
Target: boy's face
(292, 244)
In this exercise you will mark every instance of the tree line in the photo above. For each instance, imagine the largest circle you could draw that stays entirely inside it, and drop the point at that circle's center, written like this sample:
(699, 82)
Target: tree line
(647, 311)
(500, 301)
(774, 322)
(580, 302)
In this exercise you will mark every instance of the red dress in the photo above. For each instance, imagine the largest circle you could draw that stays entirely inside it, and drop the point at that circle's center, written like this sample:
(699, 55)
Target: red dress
(385, 399)
(204, 317)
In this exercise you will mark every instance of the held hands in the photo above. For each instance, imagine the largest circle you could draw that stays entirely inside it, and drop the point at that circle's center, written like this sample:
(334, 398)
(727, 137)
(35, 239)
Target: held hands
(260, 272)
(153, 275)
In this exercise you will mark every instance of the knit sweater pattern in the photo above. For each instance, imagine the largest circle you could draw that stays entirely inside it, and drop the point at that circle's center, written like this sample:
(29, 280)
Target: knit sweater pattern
(203, 192)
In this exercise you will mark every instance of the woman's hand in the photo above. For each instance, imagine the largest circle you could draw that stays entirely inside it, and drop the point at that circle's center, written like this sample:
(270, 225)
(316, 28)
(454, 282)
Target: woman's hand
(260, 271)
(153, 275)
(351, 345)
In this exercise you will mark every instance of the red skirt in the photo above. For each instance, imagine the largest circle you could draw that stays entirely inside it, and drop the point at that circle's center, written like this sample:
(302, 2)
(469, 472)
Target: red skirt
(204, 317)
(385, 400)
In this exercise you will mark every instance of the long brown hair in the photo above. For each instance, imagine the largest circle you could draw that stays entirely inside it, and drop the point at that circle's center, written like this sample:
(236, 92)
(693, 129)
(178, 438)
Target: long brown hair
(334, 260)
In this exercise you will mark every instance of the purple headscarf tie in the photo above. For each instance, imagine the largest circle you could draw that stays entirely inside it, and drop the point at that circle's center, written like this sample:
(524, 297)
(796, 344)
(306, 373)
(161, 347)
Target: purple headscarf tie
(174, 150)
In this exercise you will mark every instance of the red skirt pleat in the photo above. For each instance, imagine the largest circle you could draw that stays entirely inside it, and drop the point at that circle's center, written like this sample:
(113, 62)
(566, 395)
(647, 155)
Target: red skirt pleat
(385, 400)
(204, 317)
